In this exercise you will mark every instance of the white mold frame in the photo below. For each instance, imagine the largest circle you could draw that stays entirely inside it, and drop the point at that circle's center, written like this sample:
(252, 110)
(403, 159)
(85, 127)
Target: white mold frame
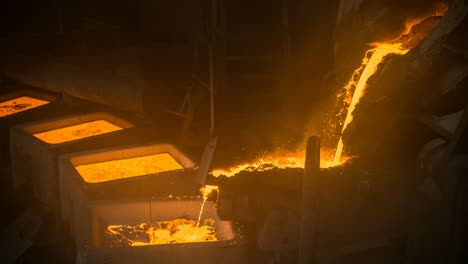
(35, 160)
(6, 122)
(91, 224)
(74, 190)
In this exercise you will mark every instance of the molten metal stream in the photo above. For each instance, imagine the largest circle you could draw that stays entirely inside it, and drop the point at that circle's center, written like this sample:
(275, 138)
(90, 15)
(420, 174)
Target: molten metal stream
(206, 190)
(400, 46)
(370, 68)
(354, 90)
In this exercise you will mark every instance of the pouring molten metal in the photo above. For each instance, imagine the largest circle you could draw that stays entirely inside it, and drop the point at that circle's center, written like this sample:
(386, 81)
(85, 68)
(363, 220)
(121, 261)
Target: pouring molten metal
(414, 32)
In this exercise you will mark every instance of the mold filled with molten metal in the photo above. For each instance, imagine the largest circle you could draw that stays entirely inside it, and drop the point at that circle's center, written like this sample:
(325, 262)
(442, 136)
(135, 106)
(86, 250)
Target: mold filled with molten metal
(75, 132)
(158, 233)
(20, 104)
(127, 168)
(176, 231)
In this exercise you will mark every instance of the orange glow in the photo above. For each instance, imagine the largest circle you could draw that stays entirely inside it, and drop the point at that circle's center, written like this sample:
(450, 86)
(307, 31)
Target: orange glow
(158, 233)
(20, 104)
(127, 168)
(409, 37)
(440, 10)
(279, 159)
(370, 65)
(76, 132)
(206, 190)
(177, 231)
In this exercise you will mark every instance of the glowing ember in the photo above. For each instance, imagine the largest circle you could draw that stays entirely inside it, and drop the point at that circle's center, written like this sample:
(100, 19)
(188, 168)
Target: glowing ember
(19, 105)
(158, 233)
(76, 132)
(370, 65)
(279, 159)
(127, 168)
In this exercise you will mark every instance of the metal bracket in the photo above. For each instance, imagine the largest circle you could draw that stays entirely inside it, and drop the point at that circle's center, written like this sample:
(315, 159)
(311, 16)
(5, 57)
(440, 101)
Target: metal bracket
(205, 162)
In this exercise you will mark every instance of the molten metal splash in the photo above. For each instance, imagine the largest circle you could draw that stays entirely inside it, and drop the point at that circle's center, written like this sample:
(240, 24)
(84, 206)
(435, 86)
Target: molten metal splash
(370, 65)
(157, 233)
(80, 131)
(127, 168)
(20, 104)
(165, 232)
(279, 159)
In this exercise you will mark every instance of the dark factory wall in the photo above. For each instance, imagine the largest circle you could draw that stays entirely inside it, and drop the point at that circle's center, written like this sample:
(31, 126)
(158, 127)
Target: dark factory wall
(137, 56)
(145, 46)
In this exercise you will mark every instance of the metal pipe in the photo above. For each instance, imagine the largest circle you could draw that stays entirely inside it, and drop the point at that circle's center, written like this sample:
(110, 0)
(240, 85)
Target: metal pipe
(211, 92)
(310, 199)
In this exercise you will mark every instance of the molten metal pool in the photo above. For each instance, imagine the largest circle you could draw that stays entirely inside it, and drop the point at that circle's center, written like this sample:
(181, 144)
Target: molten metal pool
(177, 231)
(38, 144)
(20, 104)
(75, 132)
(156, 231)
(127, 168)
(123, 172)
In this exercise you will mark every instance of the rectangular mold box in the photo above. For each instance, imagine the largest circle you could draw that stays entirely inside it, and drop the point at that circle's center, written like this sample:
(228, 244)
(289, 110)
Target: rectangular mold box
(91, 224)
(76, 192)
(35, 161)
(23, 111)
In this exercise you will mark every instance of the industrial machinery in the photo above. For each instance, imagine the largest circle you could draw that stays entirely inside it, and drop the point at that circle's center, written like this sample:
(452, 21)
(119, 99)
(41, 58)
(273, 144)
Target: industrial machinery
(112, 179)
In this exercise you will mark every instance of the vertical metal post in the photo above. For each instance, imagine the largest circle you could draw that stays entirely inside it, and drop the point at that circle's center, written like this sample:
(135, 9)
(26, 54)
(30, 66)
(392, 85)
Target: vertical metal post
(285, 29)
(211, 55)
(205, 161)
(211, 92)
(310, 200)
